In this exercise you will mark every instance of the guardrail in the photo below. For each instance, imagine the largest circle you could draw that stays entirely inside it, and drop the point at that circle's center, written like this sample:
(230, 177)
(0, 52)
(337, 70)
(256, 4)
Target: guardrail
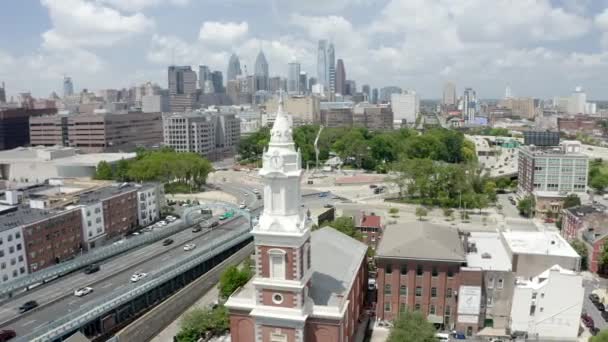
(88, 312)
(102, 253)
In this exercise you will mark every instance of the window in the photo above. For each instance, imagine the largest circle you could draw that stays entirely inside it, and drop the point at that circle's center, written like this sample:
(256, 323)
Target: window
(5, 277)
(278, 337)
(0, 241)
(9, 237)
(417, 306)
(88, 213)
(491, 282)
(277, 263)
(433, 292)
(434, 272)
(11, 249)
(18, 246)
(450, 273)
(418, 291)
(448, 292)
(403, 269)
(89, 223)
(542, 295)
(277, 298)
(387, 306)
(403, 290)
(1, 253)
(20, 258)
(388, 269)
(500, 283)
(13, 261)
(402, 307)
(532, 310)
(17, 235)
(419, 270)
(21, 270)
(431, 309)
(2, 266)
(490, 301)
(387, 289)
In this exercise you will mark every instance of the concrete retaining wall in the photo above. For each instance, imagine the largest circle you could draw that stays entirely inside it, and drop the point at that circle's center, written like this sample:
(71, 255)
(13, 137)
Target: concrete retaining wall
(154, 321)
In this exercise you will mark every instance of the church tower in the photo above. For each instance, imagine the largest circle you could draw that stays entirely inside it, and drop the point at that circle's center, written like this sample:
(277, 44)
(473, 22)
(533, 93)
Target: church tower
(282, 243)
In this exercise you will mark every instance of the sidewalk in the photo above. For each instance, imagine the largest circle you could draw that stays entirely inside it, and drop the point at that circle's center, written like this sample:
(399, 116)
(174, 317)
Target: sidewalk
(167, 334)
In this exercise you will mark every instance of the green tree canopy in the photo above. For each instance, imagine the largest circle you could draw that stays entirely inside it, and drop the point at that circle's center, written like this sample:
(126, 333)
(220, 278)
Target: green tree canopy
(421, 212)
(198, 322)
(601, 337)
(526, 206)
(572, 200)
(346, 226)
(412, 327)
(232, 278)
(581, 248)
(103, 171)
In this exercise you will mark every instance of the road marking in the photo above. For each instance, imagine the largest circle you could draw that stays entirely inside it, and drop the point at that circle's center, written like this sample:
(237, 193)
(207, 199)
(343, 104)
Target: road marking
(28, 323)
(38, 326)
(106, 285)
(72, 302)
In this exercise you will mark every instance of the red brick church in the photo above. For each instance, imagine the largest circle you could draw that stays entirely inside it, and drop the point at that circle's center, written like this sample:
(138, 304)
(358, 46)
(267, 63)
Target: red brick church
(309, 286)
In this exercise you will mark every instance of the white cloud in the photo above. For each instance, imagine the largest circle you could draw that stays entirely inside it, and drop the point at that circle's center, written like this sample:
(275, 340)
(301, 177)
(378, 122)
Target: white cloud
(601, 20)
(223, 33)
(80, 23)
(138, 5)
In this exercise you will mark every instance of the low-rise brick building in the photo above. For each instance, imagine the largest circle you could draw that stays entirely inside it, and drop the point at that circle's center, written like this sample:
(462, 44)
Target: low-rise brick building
(371, 228)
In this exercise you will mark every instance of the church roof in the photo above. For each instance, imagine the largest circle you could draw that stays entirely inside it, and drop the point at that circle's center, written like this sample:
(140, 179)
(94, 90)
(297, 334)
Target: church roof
(335, 260)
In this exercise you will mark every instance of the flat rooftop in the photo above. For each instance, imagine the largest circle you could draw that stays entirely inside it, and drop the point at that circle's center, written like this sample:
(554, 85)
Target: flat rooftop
(542, 243)
(59, 155)
(97, 195)
(490, 253)
(23, 215)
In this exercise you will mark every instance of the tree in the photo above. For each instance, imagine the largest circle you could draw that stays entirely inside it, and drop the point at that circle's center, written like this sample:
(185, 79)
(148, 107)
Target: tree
(526, 206)
(346, 226)
(572, 200)
(581, 248)
(502, 183)
(203, 321)
(604, 256)
(103, 171)
(490, 191)
(599, 182)
(421, 212)
(393, 211)
(412, 327)
(233, 278)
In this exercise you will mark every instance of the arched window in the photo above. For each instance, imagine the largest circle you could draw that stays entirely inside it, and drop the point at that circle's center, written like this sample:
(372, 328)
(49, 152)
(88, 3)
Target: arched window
(306, 256)
(276, 259)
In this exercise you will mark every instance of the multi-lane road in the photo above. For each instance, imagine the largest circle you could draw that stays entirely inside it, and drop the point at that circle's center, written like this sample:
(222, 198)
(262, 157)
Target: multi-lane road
(56, 298)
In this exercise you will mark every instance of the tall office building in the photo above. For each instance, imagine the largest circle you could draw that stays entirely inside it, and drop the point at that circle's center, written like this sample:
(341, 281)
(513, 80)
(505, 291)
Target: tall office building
(331, 68)
(406, 106)
(303, 82)
(469, 105)
(577, 102)
(217, 78)
(374, 99)
(449, 94)
(322, 64)
(340, 78)
(350, 87)
(3, 93)
(261, 72)
(311, 82)
(234, 68)
(68, 86)
(205, 82)
(182, 88)
(293, 78)
(365, 89)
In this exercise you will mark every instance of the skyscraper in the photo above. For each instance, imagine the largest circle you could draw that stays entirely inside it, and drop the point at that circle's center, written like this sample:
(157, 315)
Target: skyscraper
(449, 94)
(293, 78)
(68, 86)
(350, 87)
(217, 78)
(508, 93)
(3, 93)
(331, 68)
(261, 72)
(469, 105)
(311, 82)
(182, 88)
(204, 79)
(340, 78)
(234, 68)
(365, 89)
(322, 64)
(374, 99)
(303, 82)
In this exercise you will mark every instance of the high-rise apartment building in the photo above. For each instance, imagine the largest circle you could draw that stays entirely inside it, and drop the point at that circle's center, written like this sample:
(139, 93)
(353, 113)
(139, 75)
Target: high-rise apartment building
(577, 102)
(68, 86)
(322, 64)
(331, 68)
(3, 93)
(350, 87)
(14, 126)
(261, 72)
(303, 82)
(234, 68)
(210, 134)
(406, 106)
(469, 105)
(336, 114)
(217, 78)
(293, 78)
(311, 82)
(520, 106)
(366, 90)
(340, 78)
(182, 88)
(205, 80)
(449, 95)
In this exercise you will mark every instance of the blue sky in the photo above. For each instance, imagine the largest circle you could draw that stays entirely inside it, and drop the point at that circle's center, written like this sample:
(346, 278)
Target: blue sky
(540, 48)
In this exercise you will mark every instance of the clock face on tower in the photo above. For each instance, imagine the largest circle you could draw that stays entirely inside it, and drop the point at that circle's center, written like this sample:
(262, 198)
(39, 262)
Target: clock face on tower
(276, 161)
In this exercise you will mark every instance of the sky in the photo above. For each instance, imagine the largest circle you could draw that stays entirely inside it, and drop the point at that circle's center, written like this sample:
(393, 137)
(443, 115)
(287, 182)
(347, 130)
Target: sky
(541, 48)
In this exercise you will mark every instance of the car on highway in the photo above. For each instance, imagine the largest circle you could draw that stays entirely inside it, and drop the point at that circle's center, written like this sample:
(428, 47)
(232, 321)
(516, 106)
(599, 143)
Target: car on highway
(167, 242)
(83, 291)
(92, 268)
(27, 306)
(162, 223)
(196, 229)
(323, 194)
(189, 247)
(7, 334)
(170, 218)
(138, 276)
(242, 206)
(256, 191)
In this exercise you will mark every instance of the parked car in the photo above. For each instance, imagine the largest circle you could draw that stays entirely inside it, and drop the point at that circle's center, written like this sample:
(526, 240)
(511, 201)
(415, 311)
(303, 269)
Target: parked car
(27, 306)
(189, 247)
(373, 186)
(167, 242)
(599, 306)
(138, 276)
(587, 321)
(83, 291)
(196, 229)
(92, 268)
(605, 315)
(594, 298)
(7, 334)
(442, 337)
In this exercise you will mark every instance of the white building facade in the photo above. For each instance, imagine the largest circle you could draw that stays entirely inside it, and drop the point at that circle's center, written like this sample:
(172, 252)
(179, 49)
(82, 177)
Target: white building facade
(93, 230)
(13, 261)
(548, 307)
(150, 199)
(406, 106)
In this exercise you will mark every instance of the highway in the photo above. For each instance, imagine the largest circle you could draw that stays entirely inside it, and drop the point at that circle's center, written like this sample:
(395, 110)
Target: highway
(56, 297)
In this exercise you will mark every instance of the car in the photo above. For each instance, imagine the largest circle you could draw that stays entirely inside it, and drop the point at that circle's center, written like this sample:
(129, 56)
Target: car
(594, 298)
(196, 229)
(214, 224)
(136, 233)
(599, 306)
(256, 191)
(323, 194)
(170, 218)
(138, 276)
(119, 242)
(442, 337)
(189, 247)
(167, 242)
(162, 223)
(373, 186)
(7, 334)
(258, 196)
(242, 206)
(27, 306)
(83, 291)
(92, 268)
(587, 321)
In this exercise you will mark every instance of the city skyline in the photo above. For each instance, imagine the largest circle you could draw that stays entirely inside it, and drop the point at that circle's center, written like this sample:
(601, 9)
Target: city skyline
(566, 43)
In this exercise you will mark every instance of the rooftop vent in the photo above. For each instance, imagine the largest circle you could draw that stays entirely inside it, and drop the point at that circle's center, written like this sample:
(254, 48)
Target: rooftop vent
(486, 256)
